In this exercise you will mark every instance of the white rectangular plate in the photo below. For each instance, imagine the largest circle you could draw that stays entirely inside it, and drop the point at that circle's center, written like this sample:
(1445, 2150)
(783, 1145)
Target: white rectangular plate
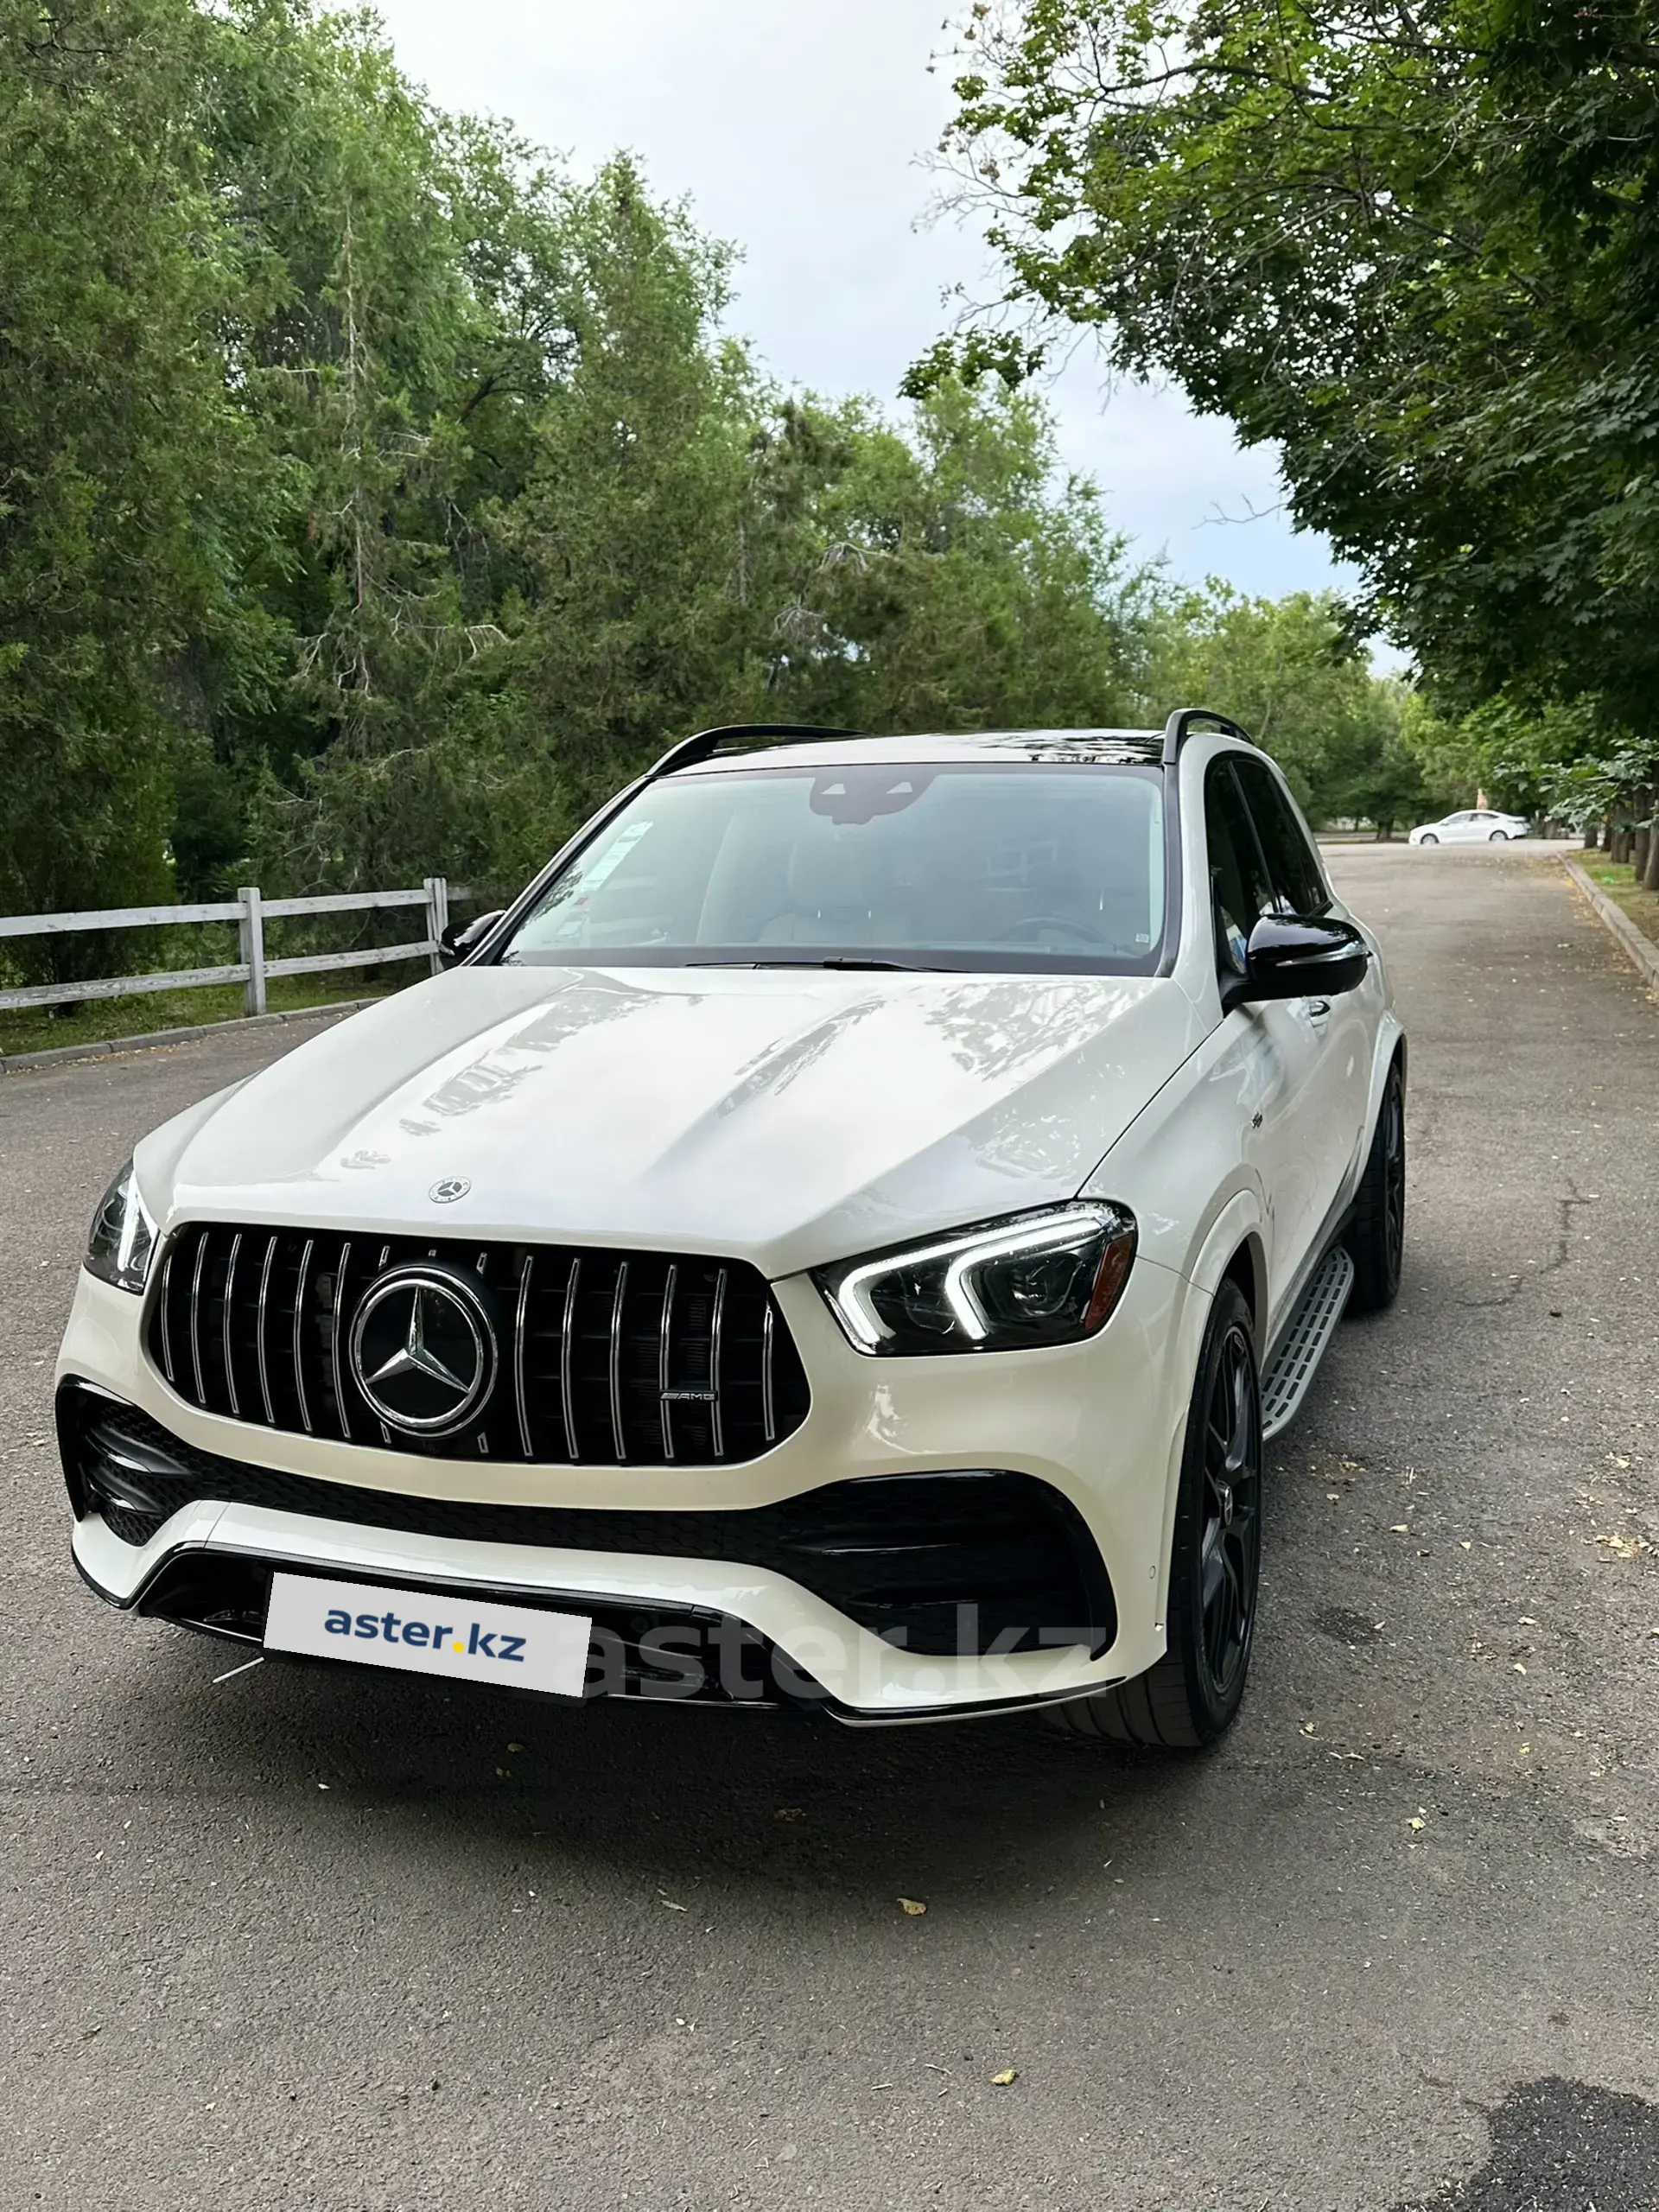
(514, 1645)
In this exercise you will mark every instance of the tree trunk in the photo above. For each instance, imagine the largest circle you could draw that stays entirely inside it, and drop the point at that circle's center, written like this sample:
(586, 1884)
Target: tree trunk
(1649, 878)
(1591, 836)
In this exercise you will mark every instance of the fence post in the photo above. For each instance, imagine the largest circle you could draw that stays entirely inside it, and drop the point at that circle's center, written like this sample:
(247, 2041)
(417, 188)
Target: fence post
(250, 929)
(437, 917)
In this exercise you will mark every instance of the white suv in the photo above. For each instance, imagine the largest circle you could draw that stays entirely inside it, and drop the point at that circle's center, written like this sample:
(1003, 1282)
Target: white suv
(821, 1244)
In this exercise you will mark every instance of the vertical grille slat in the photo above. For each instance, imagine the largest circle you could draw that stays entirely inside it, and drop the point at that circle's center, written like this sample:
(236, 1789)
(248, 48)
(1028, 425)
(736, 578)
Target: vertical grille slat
(665, 1362)
(521, 1403)
(195, 1316)
(336, 1329)
(716, 1321)
(568, 1359)
(768, 1413)
(163, 1302)
(227, 1315)
(262, 1315)
(619, 1299)
(603, 1358)
(301, 1281)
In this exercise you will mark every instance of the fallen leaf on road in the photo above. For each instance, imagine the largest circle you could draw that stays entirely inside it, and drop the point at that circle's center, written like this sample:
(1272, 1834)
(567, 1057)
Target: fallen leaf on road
(1414, 1821)
(1399, 1529)
(1006, 2078)
(1620, 1545)
(669, 1905)
(790, 1813)
(913, 1906)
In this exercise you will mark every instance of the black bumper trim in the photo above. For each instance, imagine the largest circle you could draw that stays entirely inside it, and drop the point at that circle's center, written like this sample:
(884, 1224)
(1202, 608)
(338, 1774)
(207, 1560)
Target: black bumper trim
(973, 1561)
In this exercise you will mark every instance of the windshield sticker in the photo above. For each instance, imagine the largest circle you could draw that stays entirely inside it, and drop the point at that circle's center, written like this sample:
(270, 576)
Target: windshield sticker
(613, 855)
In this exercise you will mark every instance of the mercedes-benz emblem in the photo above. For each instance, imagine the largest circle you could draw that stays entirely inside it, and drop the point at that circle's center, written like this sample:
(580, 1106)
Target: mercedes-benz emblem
(423, 1351)
(446, 1193)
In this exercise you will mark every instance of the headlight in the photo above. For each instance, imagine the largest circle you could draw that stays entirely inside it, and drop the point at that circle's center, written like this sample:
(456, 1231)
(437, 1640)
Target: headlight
(122, 1238)
(1040, 1278)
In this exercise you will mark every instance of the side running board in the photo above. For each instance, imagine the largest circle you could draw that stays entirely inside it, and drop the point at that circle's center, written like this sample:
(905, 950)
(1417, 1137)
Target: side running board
(1297, 1355)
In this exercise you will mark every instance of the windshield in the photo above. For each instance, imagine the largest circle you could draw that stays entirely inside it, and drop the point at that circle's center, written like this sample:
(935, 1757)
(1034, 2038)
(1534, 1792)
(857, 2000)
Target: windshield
(980, 867)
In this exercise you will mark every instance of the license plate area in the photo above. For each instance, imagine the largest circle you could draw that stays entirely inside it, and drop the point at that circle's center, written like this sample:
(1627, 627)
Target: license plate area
(465, 1638)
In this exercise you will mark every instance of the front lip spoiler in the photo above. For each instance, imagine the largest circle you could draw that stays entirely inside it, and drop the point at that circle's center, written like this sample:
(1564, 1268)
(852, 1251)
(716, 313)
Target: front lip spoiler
(848, 1716)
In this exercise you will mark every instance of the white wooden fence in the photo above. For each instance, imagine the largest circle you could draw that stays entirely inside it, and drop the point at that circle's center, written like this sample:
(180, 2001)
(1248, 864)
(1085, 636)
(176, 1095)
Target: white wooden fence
(250, 911)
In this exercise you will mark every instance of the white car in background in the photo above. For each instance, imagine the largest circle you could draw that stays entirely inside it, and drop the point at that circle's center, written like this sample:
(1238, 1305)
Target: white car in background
(1473, 825)
(842, 1236)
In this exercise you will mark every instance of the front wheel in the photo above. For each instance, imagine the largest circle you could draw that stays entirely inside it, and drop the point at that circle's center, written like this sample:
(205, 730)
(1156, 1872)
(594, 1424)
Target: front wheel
(1428, 838)
(1377, 1234)
(1190, 1698)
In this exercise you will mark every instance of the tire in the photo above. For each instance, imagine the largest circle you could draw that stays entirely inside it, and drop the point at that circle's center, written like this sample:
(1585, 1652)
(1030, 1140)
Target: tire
(1498, 838)
(1428, 838)
(1377, 1234)
(1190, 1698)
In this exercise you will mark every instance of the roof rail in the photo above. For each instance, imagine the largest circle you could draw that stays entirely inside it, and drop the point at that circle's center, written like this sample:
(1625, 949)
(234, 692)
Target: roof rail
(1180, 726)
(708, 742)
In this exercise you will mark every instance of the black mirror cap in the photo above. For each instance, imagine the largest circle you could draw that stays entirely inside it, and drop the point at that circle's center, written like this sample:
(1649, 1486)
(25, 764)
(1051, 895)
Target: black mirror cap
(457, 942)
(1294, 956)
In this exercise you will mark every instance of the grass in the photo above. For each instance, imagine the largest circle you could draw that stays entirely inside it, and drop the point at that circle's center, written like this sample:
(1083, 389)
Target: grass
(1618, 882)
(39, 1029)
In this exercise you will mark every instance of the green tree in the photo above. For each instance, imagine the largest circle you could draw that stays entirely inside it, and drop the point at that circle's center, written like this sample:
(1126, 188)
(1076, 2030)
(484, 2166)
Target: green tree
(1415, 248)
(953, 582)
(118, 449)
(1291, 671)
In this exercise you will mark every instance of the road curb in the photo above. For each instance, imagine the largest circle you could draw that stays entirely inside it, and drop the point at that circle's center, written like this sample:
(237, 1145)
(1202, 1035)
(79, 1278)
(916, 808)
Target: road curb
(1643, 951)
(59, 1055)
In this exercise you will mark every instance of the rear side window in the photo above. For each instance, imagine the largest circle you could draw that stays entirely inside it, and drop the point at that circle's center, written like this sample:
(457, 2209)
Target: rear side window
(1299, 885)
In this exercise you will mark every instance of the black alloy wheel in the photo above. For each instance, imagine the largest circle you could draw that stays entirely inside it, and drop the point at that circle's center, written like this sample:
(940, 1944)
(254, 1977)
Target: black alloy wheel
(1377, 1234)
(1230, 1549)
(1189, 1698)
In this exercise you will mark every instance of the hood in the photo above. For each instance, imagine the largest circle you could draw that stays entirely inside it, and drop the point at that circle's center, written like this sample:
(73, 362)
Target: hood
(784, 1115)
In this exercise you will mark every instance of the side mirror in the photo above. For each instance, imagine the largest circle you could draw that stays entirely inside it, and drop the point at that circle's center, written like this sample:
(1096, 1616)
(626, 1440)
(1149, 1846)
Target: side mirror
(457, 942)
(1290, 958)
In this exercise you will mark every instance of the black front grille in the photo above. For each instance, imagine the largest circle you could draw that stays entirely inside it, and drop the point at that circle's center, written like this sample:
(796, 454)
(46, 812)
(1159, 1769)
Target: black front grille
(963, 1561)
(603, 1358)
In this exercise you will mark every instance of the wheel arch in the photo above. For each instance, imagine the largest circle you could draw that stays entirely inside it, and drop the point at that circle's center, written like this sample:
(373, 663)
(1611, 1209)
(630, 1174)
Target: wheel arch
(1232, 1250)
(1248, 1267)
(1391, 1052)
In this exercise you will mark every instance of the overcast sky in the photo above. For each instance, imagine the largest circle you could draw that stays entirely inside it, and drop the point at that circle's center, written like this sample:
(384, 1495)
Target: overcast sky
(799, 130)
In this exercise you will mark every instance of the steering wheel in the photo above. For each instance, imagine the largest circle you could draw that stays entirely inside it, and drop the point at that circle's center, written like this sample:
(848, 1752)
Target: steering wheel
(1034, 924)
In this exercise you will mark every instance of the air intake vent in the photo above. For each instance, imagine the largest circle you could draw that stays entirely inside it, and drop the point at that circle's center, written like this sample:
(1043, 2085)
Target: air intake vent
(458, 1351)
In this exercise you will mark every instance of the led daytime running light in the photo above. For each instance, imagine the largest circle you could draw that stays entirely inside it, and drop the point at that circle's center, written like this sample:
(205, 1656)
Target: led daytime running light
(1077, 1225)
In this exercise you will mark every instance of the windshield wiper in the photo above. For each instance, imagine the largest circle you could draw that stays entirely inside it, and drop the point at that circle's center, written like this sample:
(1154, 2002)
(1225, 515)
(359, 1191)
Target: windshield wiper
(899, 967)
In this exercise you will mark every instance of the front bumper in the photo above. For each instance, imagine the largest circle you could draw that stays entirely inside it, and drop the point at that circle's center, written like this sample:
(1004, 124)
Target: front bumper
(1092, 1429)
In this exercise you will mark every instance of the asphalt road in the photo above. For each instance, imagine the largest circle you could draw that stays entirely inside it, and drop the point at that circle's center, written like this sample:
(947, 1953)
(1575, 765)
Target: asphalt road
(319, 1939)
